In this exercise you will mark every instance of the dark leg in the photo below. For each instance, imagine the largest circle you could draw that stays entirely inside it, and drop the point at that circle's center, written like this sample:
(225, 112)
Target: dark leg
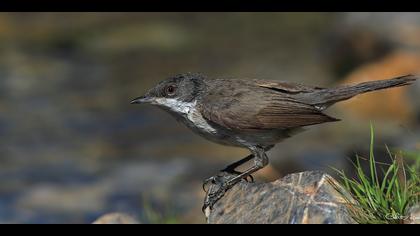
(219, 189)
(230, 169)
(260, 162)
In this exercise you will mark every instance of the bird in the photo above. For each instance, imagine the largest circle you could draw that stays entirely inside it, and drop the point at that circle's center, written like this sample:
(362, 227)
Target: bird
(250, 113)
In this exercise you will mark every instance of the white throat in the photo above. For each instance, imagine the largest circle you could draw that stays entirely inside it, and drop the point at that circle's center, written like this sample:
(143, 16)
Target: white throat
(176, 105)
(189, 111)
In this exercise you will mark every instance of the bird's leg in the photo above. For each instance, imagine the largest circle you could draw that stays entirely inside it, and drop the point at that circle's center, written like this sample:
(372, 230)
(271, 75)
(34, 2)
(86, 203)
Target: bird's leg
(217, 190)
(230, 169)
(260, 161)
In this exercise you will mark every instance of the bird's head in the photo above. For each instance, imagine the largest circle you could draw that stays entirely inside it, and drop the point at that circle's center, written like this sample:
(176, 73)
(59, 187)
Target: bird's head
(174, 93)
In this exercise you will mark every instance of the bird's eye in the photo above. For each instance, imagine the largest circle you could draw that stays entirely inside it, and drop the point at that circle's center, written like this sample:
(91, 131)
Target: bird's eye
(170, 90)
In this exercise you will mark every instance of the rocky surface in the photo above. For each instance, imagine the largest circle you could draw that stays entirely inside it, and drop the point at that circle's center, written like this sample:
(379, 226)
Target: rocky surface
(116, 218)
(301, 198)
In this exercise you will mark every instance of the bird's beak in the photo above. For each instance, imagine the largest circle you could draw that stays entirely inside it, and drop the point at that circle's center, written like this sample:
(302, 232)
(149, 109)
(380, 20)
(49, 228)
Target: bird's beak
(142, 99)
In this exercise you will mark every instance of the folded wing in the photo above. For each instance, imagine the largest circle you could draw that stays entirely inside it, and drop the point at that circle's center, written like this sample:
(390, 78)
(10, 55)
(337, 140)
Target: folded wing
(261, 105)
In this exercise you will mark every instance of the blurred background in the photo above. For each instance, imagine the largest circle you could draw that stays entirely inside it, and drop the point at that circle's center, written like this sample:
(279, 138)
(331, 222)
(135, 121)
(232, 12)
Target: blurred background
(73, 148)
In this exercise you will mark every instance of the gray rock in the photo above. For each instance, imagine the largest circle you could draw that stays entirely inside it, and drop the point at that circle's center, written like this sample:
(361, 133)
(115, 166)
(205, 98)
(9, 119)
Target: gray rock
(301, 198)
(116, 218)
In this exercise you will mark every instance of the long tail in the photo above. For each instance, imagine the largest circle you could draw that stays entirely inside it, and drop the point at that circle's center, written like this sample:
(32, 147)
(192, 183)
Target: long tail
(327, 97)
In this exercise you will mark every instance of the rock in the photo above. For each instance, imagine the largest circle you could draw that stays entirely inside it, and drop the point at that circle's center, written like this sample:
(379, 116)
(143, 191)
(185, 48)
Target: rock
(413, 215)
(58, 199)
(357, 38)
(399, 29)
(116, 218)
(301, 198)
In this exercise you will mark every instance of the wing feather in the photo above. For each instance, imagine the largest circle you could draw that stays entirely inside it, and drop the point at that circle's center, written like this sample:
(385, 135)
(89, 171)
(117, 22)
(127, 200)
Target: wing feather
(254, 107)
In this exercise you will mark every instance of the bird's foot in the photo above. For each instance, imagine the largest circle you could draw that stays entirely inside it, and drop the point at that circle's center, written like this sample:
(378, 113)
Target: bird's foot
(215, 193)
(222, 177)
(218, 185)
(249, 178)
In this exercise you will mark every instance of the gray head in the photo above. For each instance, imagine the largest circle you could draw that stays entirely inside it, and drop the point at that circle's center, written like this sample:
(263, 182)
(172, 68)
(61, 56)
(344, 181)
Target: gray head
(174, 91)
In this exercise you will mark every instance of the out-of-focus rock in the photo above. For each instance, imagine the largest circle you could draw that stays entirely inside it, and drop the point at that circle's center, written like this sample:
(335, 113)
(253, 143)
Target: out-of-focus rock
(358, 38)
(391, 104)
(301, 198)
(122, 188)
(396, 27)
(116, 218)
(56, 199)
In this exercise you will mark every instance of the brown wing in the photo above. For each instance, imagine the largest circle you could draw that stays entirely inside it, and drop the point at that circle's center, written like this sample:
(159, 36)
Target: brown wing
(289, 114)
(252, 107)
(287, 87)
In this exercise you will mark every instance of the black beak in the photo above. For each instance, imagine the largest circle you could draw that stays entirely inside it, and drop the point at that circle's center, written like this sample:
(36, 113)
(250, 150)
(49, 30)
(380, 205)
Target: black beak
(142, 99)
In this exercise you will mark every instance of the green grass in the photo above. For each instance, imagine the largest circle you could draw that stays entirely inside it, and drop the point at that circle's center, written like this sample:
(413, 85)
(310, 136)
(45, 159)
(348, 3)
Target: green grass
(161, 216)
(385, 201)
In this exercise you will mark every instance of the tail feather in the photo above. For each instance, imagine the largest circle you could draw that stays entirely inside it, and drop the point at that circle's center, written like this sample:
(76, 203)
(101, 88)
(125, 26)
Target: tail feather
(327, 97)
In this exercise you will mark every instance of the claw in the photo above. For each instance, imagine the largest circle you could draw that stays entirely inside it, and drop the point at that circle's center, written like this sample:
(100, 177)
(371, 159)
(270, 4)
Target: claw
(251, 179)
(203, 209)
(218, 185)
(213, 197)
(219, 178)
(207, 181)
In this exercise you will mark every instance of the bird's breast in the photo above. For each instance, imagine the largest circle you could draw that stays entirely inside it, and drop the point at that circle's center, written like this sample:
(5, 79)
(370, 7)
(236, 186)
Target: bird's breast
(198, 122)
(188, 113)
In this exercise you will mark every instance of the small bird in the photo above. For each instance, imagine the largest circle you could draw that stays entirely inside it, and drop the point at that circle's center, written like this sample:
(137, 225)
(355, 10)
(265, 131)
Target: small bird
(253, 114)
